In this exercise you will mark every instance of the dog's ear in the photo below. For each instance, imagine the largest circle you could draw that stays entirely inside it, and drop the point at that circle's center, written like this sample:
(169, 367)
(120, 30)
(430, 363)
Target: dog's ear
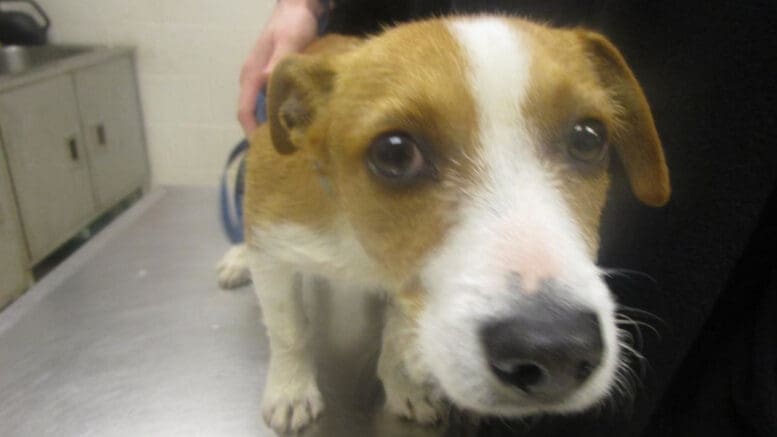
(298, 90)
(634, 137)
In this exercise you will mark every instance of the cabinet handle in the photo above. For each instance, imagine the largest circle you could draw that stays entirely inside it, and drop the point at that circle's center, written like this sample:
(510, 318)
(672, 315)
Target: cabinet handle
(101, 138)
(72, 145)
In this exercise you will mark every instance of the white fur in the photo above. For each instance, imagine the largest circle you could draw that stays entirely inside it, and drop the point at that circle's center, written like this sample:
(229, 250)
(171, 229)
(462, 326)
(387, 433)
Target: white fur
(409, 388)
(515, 209)
(291, 396)
(283, 255)
(333, 253)
(233, 268)
(286, 249)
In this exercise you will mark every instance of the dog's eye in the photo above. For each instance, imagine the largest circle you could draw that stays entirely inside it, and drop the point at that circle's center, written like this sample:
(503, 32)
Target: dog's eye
(588, 141)
(396, 158)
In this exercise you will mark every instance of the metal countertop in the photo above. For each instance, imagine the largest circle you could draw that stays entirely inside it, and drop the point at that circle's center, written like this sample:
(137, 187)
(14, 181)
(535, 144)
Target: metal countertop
(131, 336)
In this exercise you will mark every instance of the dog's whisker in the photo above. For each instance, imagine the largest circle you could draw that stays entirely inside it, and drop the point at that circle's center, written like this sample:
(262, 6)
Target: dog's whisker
(627, 381)
(628, 338)
(633, 351)
(626, 376)
(634, 355)
(630, 379)
(624, 385)
(622, 319)
(627, 273)
(637, 310)
(622, 308)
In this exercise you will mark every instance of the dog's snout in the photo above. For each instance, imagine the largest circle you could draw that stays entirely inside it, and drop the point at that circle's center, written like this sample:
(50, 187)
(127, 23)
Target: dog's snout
(546, 350)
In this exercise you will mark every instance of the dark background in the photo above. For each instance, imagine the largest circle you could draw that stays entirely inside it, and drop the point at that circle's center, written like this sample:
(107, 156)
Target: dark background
(708, 70)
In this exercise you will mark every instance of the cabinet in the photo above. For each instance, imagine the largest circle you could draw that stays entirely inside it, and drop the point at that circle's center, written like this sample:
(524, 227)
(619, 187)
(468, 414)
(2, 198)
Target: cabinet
(48, 163)
(113, 133)
(73, 139)
(14, 262)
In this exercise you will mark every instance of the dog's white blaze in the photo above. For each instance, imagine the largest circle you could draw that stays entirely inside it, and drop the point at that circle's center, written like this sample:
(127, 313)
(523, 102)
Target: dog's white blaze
(515, 185)
(497, 56)
(515, 212)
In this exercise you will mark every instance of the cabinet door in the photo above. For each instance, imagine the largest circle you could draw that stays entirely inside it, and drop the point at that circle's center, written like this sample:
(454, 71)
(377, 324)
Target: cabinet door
(42, 138)
(13, 255)
(113, 131)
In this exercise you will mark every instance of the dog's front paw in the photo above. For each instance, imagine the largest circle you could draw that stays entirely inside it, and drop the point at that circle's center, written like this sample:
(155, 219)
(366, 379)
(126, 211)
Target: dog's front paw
(413, 402)
(233, 268)
(289, 408)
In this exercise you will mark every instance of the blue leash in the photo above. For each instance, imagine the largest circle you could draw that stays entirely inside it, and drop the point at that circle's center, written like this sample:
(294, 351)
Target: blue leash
(232, 220)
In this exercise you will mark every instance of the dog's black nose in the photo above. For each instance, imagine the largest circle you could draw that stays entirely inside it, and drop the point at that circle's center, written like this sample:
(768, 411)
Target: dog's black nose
(548, 350)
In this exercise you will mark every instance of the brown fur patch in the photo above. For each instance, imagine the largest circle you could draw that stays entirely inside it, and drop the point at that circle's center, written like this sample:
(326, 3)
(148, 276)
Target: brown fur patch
(411, 81)
(634, 135)
(408, 81)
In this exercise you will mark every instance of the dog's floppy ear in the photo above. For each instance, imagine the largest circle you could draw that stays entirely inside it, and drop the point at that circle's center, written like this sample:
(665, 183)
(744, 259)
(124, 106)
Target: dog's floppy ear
(634, 137)
(298, 89)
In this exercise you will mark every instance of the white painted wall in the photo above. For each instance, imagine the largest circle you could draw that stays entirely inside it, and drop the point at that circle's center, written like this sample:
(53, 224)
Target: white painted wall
(189, 58)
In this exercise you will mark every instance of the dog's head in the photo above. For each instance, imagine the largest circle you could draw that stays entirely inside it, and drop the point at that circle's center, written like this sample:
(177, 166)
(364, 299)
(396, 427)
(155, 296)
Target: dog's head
(470, 157)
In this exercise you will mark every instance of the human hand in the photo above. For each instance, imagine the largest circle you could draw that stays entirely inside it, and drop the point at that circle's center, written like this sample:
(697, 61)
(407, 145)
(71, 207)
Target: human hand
(292, 26)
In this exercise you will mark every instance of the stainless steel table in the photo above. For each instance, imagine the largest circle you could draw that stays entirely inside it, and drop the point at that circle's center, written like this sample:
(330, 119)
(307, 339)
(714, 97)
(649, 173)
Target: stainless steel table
(132, 337)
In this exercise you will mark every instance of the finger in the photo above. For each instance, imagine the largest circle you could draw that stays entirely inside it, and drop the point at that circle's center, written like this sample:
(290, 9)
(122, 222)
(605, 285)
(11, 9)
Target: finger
(252, 79)
(282, 49)
(247, 107)
(257, 58)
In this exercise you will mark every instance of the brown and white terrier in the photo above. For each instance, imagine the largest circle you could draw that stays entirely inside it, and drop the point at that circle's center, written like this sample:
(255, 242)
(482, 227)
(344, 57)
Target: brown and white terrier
(461, 165)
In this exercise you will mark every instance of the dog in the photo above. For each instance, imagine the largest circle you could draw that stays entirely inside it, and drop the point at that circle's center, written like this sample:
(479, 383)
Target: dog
(461, 165)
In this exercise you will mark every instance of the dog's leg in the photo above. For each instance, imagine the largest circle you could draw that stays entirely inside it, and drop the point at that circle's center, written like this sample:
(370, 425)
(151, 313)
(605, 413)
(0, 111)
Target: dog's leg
(291, 397)
(408, 393)
(233, 268)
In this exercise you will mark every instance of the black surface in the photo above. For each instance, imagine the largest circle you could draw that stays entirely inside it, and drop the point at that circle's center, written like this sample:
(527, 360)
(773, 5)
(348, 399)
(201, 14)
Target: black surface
(18, 27)
(708, 71)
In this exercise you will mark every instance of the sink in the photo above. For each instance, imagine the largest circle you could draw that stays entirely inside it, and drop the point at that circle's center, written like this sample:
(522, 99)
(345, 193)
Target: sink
(18, 59)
